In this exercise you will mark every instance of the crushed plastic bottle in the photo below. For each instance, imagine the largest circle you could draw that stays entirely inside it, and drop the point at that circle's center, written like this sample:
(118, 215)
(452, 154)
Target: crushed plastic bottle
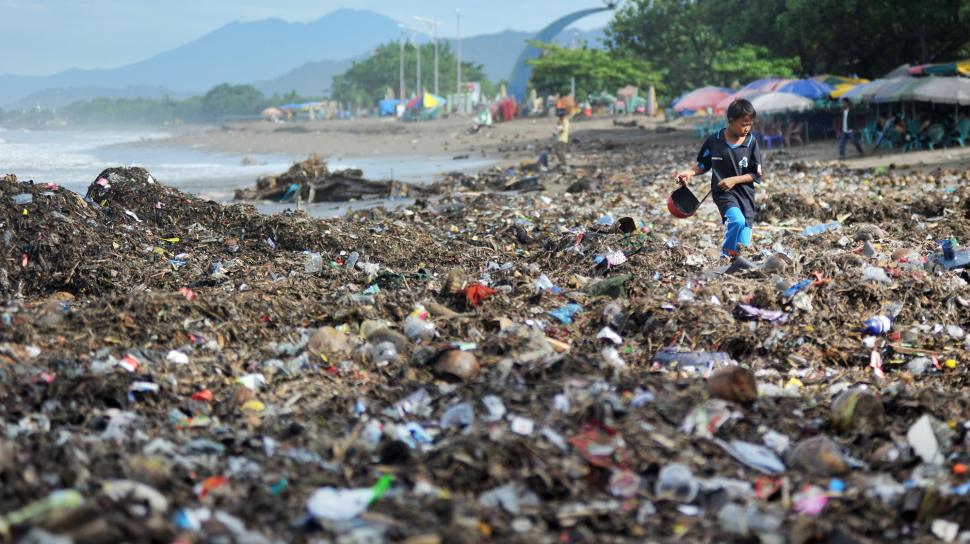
(700, 362)
(418, 330)
(676, 482)
(313, 263)
(458, 416)
(740, 520)
(814, 230)
(381, 353)
(876, 273)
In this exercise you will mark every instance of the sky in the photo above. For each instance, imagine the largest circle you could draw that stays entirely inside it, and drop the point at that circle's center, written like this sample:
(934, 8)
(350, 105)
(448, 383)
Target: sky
(42, 37)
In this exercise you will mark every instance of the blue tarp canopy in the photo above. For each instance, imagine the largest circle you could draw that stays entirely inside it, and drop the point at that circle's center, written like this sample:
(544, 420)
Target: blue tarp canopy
(388, 107)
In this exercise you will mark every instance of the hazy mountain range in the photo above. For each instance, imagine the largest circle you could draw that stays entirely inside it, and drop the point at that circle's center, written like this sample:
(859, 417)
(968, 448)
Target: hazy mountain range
(274, 55)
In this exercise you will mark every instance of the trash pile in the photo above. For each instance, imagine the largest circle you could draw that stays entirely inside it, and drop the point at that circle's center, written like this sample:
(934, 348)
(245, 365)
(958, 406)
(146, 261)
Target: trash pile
(479, 366)
(311, 181)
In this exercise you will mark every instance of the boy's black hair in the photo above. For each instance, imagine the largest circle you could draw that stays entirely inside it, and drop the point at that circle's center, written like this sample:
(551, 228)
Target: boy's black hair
(740, 108)
(845, 100)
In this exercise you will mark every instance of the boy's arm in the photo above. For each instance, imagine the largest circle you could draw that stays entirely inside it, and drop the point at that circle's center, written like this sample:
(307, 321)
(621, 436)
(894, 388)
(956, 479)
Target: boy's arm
(702, 166)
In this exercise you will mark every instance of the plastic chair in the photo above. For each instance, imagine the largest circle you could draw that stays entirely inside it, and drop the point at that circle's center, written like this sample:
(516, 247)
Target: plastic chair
(935, 135)
(960, 133)
(793, 132)
(772, 135)
(912, 127)
(868, 132)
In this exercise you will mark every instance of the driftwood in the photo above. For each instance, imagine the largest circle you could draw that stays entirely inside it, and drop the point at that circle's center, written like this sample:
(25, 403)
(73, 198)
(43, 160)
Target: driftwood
(310, 181)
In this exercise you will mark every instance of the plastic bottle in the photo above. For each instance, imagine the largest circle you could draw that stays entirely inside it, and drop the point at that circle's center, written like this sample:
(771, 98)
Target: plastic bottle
(313, 263)
(677, 482)
(381, 353)
(459, 416)
(417, 329)
(877, 325)
(820, 228)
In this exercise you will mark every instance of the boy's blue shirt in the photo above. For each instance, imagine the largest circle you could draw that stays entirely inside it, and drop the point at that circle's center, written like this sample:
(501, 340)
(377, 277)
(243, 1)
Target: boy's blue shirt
(725, 161)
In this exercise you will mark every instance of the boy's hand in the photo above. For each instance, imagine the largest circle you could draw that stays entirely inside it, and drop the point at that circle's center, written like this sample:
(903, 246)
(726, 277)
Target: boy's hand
(726, 184)
(684, 176)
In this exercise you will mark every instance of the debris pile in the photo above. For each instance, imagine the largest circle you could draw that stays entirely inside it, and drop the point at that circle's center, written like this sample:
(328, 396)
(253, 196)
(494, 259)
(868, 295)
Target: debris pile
(487, 366)
(311, 181)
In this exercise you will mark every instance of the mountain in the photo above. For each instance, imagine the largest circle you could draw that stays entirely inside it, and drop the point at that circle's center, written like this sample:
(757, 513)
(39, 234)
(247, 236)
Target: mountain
(236, 53)
(311, 79)
(498, 52)
(274, 55)
(56, 98)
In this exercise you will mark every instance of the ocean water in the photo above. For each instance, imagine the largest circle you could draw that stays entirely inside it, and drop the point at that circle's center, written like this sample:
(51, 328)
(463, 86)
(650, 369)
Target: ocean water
(73, 158)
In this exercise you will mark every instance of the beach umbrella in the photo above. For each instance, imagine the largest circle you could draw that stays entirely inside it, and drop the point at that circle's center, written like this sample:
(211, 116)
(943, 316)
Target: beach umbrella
(866, 91)
(765, 85)
(901, 70)
(699, 99)
(838, 91)
(778, 102)
(836, 80)
(809, 88)
(726, 101)
(271, 112)
(948, 69)
(897, 89)
(943, 90)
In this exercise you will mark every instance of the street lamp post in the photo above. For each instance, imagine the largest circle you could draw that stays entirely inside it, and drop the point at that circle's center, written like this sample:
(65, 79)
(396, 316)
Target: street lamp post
(400, 81)
(458, 84)
(433, 25)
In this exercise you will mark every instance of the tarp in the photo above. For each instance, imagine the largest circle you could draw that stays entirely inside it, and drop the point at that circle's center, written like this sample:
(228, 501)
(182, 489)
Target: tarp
(699, 99)
(388, 107)
(943, 90)
(776, 102)
(424, 106)
(431, 101)
(809, 88)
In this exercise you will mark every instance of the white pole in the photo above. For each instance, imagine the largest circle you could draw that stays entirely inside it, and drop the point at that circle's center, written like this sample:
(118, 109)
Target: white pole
(435, 40)
(458, 84)
(419, 88)
(400, 95)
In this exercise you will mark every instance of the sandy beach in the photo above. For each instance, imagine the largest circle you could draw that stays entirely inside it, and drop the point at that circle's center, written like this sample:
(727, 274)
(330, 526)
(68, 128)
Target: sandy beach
(508, 142)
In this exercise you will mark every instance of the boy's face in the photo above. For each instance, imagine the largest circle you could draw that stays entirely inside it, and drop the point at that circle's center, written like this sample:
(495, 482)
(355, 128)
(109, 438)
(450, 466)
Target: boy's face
(741, 125)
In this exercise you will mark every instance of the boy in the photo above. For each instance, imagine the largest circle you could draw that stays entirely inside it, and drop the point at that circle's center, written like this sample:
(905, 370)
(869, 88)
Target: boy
(734, 157)
(562, 136)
